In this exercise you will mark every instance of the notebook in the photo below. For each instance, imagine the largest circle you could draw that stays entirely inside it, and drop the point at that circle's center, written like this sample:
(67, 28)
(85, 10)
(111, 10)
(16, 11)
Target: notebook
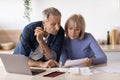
(18, 64)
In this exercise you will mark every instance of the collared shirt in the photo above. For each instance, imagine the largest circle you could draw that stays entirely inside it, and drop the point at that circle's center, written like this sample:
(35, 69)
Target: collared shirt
(28, 43)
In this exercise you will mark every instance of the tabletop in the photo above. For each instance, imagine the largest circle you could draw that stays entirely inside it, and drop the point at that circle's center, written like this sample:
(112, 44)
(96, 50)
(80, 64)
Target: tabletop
(109, 71)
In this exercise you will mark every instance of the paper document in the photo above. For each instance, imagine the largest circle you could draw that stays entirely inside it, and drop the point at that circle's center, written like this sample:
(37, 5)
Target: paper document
(85, 71)
(78, 70)
(74, 70)
(73, 63)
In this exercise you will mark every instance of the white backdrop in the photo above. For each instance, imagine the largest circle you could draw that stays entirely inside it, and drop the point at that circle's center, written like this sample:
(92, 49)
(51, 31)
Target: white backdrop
(100, 15)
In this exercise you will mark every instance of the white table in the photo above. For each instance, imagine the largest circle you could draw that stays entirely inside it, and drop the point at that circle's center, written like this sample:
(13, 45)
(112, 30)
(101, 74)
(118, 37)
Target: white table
(97, 74)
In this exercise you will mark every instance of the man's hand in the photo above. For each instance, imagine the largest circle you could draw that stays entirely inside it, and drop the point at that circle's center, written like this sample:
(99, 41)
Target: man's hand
(39, 33)
(49, 64)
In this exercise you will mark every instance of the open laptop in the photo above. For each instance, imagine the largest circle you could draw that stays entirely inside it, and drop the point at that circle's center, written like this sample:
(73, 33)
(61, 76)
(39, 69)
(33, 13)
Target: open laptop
(18, 64)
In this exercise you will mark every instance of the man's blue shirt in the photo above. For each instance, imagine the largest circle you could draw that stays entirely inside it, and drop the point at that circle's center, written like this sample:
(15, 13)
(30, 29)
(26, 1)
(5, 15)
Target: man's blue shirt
(28, 42)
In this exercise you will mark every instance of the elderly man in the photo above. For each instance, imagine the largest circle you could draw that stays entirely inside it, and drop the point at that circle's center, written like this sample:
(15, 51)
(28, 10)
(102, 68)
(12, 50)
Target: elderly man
(42, 41)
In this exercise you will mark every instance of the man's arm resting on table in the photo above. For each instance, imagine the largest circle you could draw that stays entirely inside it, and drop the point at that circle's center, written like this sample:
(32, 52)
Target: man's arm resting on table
(34, 63)
(47, 51)
(48, 64)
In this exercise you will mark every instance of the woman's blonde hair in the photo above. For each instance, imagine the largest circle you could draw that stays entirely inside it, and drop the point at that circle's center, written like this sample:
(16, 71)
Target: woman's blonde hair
(79, 21)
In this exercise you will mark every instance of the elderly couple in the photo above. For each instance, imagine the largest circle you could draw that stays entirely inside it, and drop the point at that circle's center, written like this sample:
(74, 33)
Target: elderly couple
(45, 43)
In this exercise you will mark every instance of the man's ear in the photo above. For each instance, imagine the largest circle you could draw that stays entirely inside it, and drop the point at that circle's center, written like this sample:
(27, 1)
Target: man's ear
(43, 22)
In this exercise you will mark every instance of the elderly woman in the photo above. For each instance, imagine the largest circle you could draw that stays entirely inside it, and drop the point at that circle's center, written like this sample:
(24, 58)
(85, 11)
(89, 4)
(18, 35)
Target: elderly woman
(79, 44)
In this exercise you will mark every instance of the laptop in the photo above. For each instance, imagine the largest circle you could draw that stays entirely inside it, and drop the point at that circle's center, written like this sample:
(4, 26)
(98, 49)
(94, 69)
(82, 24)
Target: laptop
(18, 64)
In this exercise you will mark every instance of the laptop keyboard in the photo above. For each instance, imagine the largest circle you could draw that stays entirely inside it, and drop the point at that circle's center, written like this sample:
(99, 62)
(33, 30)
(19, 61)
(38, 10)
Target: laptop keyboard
(37, 71)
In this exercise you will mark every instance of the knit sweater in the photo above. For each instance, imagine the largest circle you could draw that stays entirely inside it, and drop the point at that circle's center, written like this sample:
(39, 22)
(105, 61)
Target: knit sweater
(83, 48)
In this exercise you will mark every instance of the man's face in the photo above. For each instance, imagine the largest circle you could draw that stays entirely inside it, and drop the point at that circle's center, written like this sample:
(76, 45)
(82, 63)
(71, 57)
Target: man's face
(52, 25)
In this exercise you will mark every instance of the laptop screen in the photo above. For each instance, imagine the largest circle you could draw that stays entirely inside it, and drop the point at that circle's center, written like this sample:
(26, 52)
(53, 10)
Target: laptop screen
(17, 64)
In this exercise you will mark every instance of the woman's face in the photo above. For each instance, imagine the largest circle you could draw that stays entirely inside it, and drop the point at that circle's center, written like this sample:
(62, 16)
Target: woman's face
(73, 30)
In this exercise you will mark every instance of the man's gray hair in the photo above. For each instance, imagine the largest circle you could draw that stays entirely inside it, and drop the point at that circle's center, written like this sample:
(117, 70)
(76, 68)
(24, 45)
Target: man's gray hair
(50, 11)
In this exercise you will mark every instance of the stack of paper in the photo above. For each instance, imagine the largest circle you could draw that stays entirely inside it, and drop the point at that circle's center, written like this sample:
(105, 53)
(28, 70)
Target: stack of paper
(74, 63)
(78, 70)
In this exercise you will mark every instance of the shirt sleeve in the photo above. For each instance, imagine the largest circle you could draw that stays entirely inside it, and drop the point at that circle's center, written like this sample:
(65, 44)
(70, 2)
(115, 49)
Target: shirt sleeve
(24, 45)
(100, 56)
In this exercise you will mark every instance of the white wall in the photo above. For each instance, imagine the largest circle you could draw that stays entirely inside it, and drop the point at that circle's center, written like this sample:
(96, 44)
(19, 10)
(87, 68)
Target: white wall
(11, 14)
(100, 15)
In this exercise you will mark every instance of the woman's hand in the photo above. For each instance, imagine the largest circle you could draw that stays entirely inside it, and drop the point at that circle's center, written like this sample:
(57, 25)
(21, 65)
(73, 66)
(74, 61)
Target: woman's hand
(87, 62)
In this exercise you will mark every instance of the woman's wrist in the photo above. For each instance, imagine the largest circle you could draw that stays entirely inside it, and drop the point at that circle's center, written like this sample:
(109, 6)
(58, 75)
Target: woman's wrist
(91, 61)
